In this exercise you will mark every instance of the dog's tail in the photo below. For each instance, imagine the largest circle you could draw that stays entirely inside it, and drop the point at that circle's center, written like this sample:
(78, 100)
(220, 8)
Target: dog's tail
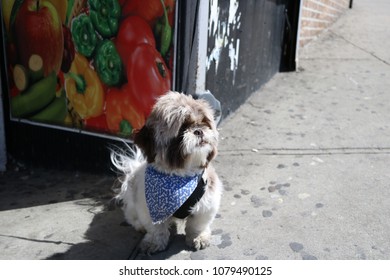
(126, 161)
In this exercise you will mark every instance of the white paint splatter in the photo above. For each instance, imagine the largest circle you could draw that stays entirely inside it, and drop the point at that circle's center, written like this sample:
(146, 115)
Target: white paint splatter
(221, 31)
(233, 54)
(233, 7)
(214, 14)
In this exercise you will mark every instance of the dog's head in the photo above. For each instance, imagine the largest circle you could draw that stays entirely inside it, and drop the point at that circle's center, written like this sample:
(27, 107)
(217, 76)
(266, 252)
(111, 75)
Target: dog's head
(179, 134)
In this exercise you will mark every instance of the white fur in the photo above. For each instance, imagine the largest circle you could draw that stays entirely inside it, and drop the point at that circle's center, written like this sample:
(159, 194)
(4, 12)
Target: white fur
(136, 212)
(132, 164)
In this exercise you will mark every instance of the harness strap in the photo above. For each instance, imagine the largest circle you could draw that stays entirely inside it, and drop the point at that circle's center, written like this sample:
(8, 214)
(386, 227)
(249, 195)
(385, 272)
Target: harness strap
(194, 198)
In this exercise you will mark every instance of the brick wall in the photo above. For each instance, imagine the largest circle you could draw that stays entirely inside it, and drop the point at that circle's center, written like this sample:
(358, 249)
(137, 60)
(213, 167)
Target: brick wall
(317, 15)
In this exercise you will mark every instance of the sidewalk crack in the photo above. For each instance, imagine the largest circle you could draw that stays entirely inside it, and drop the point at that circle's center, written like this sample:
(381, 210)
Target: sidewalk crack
(308, 152)
(360, 48)
(37, 240)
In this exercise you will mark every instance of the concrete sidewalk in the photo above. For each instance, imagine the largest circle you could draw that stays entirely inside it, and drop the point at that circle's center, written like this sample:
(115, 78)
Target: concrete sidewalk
(305, 164)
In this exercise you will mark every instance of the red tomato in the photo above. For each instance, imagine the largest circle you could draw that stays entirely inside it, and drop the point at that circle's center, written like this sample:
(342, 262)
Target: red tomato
(148, 76)
(133, 31)
(149, 10)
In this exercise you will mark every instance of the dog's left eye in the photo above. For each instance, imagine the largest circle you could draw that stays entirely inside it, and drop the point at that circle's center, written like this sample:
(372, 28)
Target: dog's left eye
(206, 122)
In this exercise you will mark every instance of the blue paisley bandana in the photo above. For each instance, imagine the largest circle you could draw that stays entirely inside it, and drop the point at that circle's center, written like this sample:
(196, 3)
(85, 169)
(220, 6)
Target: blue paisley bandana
(165, 193)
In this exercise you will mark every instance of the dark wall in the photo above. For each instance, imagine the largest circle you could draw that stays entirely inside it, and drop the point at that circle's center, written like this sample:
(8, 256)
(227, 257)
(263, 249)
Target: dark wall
(258, 28)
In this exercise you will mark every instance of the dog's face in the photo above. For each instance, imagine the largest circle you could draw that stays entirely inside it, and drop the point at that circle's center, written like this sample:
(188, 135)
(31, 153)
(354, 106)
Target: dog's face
(180, 133)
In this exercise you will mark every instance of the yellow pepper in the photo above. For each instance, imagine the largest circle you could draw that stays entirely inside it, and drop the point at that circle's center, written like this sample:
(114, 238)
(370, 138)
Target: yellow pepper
(84, 88)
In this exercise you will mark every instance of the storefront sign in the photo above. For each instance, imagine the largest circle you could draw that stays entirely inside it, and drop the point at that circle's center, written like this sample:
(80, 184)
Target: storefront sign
(94, 66)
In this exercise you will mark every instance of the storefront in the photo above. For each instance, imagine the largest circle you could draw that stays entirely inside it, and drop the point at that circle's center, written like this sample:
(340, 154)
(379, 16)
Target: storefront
(81, 75)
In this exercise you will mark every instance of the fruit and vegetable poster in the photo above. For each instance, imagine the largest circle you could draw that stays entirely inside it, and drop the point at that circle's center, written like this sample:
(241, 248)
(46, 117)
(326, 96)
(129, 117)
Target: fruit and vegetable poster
(93, 65)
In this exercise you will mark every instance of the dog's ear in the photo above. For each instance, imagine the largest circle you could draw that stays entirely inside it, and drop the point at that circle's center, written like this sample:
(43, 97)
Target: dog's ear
(144, 139)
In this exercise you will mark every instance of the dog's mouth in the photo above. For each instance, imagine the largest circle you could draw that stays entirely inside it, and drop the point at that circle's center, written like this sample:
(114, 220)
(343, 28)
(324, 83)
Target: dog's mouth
(202, 143)
(201, 139)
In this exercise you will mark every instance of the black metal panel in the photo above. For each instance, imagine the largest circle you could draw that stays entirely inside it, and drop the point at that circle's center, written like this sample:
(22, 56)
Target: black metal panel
(260, 35)
(291, 14)
(186, 27)
(59, 149)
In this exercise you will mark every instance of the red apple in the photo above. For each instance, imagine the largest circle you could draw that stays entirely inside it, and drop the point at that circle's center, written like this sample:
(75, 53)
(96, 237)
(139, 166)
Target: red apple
(38, 31)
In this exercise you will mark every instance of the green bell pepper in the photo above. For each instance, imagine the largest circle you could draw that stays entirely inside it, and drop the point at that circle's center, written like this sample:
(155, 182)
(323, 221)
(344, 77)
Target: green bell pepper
(108, 63)
(163, 32)
(105, 16)
(83, 34)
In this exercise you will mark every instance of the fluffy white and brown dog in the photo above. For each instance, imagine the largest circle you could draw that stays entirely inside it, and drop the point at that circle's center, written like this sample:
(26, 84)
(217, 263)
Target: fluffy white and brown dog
(172, 178)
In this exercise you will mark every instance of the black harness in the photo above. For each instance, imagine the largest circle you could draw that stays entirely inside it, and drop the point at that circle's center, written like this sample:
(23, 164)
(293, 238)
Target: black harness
(194, 198)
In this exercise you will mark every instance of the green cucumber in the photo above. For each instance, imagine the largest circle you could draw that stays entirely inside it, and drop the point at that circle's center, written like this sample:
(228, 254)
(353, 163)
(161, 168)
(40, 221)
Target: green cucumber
(55, 112)
(35, 98)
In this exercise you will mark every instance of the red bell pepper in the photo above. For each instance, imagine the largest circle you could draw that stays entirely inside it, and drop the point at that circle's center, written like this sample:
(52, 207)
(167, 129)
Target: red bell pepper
(148, 77)
(150, 10)
(98, 123)
(147, 9)
(123, 114)
(133, 31)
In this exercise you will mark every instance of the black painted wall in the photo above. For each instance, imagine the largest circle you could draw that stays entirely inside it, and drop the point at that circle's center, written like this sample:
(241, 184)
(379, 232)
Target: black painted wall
(259, 26)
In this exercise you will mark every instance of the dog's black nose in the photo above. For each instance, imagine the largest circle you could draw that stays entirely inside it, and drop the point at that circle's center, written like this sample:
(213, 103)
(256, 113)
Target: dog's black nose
(198, 132)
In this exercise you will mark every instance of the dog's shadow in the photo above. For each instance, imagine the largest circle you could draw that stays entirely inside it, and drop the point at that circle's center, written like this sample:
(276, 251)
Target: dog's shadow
(108, 237)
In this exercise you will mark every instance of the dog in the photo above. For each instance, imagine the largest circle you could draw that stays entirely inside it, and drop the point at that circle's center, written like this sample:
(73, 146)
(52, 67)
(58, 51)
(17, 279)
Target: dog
(168, 176)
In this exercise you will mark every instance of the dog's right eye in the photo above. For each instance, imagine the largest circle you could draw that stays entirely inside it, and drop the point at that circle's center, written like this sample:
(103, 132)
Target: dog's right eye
(184, 127)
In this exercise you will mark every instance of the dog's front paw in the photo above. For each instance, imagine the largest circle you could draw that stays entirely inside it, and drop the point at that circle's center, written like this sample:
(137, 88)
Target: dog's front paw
(149, 248)
(200, 242)
(153, 243)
